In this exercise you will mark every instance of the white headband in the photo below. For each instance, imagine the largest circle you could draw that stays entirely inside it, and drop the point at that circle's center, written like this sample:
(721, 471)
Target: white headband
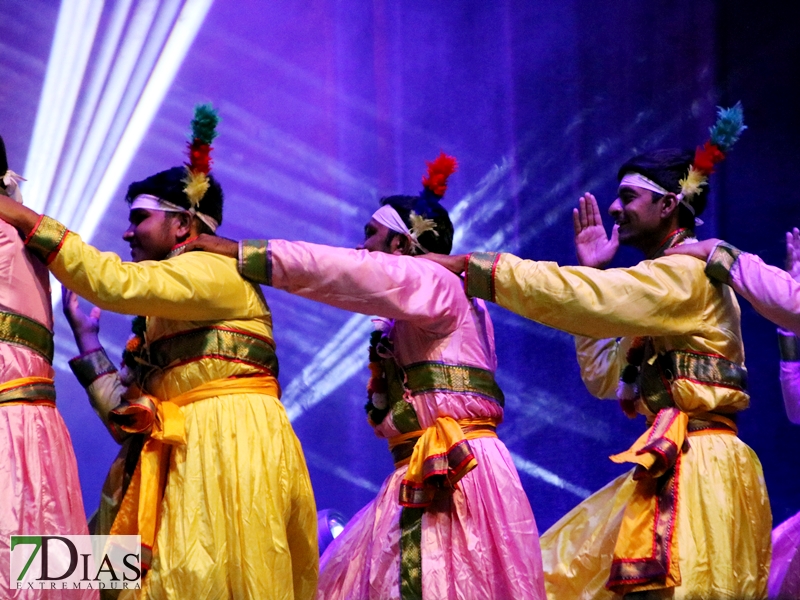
(639, 180)
(386, 215)
(148, 202)
(12, 180)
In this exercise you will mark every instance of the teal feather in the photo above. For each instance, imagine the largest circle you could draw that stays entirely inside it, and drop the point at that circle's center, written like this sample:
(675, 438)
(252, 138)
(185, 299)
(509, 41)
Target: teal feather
(204, 123)
(729, 126)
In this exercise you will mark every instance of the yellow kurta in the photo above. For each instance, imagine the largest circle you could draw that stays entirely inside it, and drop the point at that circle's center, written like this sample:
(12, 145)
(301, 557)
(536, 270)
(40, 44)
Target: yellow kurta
(238, 518)
(723, 516)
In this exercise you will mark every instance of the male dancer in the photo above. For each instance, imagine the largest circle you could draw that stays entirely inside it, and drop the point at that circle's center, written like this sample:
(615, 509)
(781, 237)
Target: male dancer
(433, 395)
(39, 475)
(221, 491)
(692, 520)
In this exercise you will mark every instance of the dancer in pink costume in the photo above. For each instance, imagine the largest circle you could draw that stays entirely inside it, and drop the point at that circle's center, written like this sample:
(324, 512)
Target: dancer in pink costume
(41, 493)
(775, 294)
(433, 396)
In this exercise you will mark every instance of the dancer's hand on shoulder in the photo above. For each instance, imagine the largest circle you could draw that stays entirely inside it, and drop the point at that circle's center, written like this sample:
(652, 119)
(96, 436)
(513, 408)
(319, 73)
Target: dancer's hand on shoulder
(17, 215)
(592, 244)
(793, 253)
(701, 250)
(214, 244)
(451, 262)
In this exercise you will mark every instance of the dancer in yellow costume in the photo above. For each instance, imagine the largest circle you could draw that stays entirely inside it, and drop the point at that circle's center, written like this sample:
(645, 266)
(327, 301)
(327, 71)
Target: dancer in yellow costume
(692, 519)
(221, 492)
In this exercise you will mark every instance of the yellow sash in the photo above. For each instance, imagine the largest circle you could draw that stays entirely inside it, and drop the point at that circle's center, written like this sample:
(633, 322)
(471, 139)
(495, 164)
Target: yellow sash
(163, 421)
(440, 458)
(646, 550)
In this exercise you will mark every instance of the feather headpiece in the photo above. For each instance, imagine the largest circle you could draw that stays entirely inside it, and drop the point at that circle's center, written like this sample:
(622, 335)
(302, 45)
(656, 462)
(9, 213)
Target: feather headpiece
(197, 169)
(723, 135)
(439, 170)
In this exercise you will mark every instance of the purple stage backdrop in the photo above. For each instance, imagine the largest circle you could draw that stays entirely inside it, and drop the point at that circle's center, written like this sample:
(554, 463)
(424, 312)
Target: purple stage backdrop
(328, 105)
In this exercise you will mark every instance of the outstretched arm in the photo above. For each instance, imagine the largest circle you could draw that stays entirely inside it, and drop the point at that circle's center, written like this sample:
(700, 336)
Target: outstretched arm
(667, 296)
(192, 286)
(372, 283)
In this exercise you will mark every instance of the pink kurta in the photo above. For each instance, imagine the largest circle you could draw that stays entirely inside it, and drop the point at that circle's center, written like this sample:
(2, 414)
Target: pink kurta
(776, 295)
(41, 493)
(480, 542)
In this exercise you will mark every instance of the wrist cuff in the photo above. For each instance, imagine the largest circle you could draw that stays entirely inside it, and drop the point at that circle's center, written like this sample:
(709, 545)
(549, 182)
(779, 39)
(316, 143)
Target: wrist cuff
(255, 263)
(91, 366)
(787, 342)
(720, 262)
(46, 238)
(479, 275)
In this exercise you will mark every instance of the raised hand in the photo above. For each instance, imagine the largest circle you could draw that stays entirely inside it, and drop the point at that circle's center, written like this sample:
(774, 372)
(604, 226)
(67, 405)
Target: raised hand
(215, 244)
(85, 328)
(592, 245)
(793, 253)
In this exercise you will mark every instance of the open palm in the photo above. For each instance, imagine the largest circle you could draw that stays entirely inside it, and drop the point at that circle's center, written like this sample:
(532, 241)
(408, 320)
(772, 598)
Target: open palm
(592, 244)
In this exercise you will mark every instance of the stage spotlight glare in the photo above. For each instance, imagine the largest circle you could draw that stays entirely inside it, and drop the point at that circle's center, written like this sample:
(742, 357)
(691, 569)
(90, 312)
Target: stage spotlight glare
(330, 523)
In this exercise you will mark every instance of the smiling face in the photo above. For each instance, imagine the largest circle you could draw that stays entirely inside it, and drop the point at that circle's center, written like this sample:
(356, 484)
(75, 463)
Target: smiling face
(642, 221)
(152, 234)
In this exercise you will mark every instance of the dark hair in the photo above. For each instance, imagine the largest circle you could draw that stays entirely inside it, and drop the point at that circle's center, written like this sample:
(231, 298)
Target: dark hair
(667, 167)
(168, 185)
(427, 206)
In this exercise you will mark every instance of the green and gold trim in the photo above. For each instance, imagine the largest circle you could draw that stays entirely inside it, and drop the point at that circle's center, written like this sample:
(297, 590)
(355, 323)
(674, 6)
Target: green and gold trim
(787, 342)
(411, 553)
(214, 342)
(432, 376)
(656, 377)
(46, 238)
(23, 331)
(479, 275)
(721, 261)
(253, 261)
(91, 366)
(708, 369)
(30, 392)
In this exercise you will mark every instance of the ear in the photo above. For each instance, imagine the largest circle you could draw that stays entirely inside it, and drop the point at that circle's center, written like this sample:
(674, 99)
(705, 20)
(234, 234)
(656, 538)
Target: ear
(183, 225)
(669, 205)
(400, 244)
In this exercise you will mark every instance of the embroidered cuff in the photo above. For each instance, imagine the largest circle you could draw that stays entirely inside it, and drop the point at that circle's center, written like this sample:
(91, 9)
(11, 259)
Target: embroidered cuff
(720, 262)
(46, 238)
(91, 366)
(255, 262)
(479, 274)
(787, 342)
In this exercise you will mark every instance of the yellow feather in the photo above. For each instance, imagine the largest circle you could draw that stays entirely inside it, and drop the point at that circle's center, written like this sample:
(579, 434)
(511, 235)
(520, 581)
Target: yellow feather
(420, 225)
(691, 184)
(196, 187)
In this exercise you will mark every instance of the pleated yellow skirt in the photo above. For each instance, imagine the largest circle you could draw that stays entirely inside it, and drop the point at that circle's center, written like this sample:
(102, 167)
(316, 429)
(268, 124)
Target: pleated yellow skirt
(723, 528)
(238, 516)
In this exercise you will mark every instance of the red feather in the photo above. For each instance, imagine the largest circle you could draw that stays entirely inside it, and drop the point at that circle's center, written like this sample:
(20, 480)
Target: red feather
(199, 157)
(706, 156)
(439, 169)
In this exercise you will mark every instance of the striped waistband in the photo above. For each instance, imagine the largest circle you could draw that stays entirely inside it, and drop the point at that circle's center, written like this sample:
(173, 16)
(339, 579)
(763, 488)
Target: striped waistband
(214, 342)
(23, 331)
(441, 377)
(33, 390)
